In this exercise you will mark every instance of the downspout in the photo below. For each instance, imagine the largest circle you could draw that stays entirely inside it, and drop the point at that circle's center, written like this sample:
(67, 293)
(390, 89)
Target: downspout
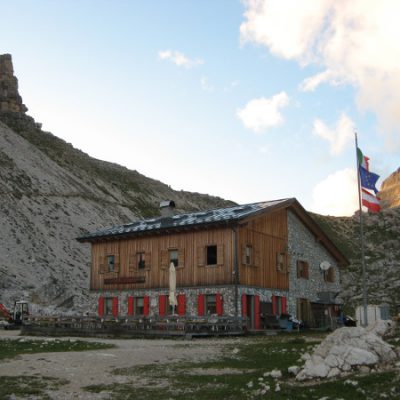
(236, 269)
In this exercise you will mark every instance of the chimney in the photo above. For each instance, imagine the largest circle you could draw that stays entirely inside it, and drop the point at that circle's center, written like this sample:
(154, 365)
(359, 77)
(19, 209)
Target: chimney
(167, 208)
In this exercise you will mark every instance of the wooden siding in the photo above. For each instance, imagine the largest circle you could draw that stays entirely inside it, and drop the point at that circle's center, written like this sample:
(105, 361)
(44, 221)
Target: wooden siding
(191, 248)
(267, 235)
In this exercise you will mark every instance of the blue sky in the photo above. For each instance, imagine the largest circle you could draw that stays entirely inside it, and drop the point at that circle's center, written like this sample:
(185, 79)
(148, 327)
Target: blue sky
(253, 100)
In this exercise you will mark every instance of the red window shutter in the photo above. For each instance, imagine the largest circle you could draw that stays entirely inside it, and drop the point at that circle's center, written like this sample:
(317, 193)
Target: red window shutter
(220, 307)
(274, 308)
(257, 312)
(181, 304)
(200, 305)
(284, 305)
(101, 306)
(162, 302)
(115, 307)
(146, 305)
(244, 305)
(130, 305)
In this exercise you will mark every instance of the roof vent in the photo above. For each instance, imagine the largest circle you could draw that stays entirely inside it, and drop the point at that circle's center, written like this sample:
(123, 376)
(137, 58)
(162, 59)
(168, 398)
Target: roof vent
(167, 208)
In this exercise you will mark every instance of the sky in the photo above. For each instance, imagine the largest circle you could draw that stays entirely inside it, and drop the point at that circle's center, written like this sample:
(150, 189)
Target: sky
(247, 100)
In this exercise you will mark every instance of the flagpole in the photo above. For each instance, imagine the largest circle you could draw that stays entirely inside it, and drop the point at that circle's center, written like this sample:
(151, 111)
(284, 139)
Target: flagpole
(364, 270)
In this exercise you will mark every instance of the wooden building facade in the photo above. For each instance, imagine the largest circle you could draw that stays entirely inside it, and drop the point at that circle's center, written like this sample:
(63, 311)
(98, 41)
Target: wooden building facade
(234, 261)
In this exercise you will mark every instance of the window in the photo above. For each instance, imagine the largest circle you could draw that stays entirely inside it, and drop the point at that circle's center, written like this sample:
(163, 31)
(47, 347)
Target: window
(111, 263)
(282, 262)
(329, 276)
(211, 255)
(304, 310)
(211, 304)
(141, 263)
(279, 305)
(139, 306)
(173, 257)
(248, 255)
(302, 269)
(108, 306)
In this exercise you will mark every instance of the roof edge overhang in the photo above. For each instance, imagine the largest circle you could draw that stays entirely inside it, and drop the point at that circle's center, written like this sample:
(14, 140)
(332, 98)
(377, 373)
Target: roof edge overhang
(159, 231)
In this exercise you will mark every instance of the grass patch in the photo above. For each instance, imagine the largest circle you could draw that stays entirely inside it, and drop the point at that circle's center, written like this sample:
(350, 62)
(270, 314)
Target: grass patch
(12, 348)
(225, 378)
(28, 386)
(239, 374)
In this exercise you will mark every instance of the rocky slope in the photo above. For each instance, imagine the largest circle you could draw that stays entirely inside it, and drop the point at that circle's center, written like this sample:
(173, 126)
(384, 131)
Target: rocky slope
(382, 250)
(52, 193)
(390, 190)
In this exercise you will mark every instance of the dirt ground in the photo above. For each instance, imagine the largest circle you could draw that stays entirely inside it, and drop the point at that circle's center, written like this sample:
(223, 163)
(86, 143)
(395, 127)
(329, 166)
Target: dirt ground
(95, 367)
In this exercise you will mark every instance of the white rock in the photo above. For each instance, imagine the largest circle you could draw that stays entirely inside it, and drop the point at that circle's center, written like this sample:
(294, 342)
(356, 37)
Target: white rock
(333, 372)
(356, 356)
(350, 382)
(294, 370)
(276, 374)
(317, 371)
(381, 327)
(332, 361)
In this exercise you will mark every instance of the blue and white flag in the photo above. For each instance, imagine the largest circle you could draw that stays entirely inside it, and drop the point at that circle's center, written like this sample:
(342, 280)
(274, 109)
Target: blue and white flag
(368, 179)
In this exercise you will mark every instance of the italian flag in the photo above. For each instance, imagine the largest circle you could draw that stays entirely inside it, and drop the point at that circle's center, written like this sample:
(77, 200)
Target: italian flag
(370, 201)
(362, 160)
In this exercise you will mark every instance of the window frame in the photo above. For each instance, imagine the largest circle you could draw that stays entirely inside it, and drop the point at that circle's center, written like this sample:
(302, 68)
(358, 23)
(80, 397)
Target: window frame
(109, 263)
(108, 306)
(303, 269)
(249, 254)
(141, 260)
(175, 261)
(329, 275)
(282, 262)
(214, 256)
(137, 308)
(210, 304)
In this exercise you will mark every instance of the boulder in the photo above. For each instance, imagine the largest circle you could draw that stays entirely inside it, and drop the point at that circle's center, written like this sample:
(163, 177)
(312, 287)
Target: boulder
(347, 348)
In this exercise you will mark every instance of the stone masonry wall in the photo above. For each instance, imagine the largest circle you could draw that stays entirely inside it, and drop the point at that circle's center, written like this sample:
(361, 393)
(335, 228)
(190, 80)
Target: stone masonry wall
(303, 246)
(191, 294)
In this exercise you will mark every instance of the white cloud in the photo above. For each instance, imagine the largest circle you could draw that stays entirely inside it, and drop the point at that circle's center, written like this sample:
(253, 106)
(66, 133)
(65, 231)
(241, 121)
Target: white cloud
(261, 114)
(336, 195)
(311, 83)
(179, 59)
(339, 136)
(355, 41)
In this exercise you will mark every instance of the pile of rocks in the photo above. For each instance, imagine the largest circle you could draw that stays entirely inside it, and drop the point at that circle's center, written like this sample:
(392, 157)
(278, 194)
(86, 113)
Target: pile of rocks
(347, 349)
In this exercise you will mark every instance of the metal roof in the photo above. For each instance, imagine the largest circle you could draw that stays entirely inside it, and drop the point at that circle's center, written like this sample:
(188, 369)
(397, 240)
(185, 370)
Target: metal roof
(216, 216)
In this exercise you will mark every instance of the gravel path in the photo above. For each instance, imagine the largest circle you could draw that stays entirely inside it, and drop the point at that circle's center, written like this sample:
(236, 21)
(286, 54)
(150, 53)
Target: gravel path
(95, 367)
